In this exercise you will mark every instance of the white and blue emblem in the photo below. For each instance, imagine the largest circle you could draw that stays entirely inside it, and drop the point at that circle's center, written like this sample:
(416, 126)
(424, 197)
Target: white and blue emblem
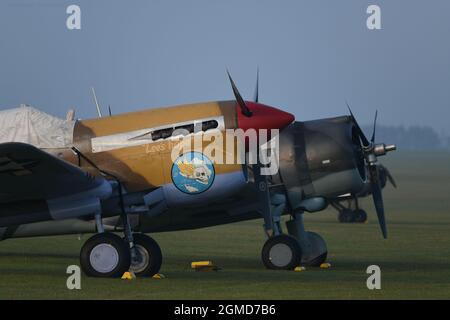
(193, 173)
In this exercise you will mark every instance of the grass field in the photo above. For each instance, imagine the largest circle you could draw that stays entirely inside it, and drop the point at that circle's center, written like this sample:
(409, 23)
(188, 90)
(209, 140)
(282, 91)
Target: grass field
(414, 260)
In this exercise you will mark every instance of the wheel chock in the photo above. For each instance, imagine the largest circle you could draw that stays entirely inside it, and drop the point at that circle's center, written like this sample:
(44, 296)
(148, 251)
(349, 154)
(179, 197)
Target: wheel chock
(325, 265)
(159, 276)
(128, 275)
(198, 264)
(204, 266)
(299, 269)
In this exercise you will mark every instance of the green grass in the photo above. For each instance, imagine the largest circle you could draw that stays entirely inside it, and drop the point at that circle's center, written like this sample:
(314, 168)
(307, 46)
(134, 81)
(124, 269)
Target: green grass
(414, 260)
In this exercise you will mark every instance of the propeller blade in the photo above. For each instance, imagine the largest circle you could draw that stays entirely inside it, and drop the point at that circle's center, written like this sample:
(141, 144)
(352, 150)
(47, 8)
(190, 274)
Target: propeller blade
(255, 98)
(244, 109)
(361, 134)
(109, 110)
(390, 177)
(374, 127)
(378, 199)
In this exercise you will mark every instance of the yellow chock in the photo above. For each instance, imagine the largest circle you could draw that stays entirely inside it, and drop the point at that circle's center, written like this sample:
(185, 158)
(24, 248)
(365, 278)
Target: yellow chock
(129, 275)
(199, 264)
(299, 269)
(204, 266)
(325, 265)
(159, 276)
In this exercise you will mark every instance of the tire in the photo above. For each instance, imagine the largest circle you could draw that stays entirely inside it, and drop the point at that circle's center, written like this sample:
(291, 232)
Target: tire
(360, 216)
(318, 254)
(281, 252)
(150, 255)
(346, 216)
(105, 255)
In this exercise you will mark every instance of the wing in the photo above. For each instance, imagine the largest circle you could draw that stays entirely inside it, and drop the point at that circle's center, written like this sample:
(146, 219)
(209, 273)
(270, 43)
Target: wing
(36, 186)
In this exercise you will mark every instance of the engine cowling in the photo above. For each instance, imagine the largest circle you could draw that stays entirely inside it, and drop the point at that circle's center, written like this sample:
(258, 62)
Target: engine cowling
(321, 159)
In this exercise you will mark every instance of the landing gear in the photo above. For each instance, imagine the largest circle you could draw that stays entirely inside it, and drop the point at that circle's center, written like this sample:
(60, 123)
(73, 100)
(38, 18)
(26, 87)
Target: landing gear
(316, 252)
(300, 247)
(108, 255)
(360, 216)
(351, 213)
(314, 247)
(148, 259)
(349, 216)
(281, 252)
(105, 255)
(346, 216)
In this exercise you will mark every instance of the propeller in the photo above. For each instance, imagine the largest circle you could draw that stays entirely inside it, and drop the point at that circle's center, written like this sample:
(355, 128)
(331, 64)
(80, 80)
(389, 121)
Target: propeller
(387, 175)
(361, 134)
(390, 178)
(378, 198)
(261, 181)
(256, 96)
(244, 109)
(374, 127)
(371, 151)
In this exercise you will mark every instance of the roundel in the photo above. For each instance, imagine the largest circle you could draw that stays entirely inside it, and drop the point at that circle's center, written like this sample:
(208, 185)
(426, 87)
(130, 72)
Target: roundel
(193, 173)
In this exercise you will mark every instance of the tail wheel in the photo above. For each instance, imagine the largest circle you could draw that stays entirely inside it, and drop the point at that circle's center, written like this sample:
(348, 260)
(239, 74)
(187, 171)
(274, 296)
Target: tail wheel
(346, 216)
(105, 255)
(148, 258)
(281, 252)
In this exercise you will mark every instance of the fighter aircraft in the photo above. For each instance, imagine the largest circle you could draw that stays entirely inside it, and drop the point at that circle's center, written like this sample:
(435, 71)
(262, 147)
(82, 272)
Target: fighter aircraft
(116, 174)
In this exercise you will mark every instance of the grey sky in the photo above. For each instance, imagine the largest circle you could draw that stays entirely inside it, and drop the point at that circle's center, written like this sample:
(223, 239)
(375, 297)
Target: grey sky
(313, 55)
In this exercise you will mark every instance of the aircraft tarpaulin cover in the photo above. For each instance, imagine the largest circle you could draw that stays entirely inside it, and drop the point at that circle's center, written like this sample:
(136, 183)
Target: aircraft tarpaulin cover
(30, 125)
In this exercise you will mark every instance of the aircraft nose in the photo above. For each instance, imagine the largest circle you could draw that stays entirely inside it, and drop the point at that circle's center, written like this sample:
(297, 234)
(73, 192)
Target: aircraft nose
(263, 117)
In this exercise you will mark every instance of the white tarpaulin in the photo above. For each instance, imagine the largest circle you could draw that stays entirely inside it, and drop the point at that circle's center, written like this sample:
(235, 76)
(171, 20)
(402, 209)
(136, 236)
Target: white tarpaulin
(29, 125)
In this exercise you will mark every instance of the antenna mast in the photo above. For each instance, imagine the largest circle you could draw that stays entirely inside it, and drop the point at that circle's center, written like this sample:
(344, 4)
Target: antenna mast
(96, 103)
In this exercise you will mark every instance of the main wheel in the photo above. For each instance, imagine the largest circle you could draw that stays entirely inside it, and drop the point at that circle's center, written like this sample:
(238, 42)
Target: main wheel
(316, 253)
(105, 255)
(281, 252)
(360, 216)
(346, 216)
(149, 257)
